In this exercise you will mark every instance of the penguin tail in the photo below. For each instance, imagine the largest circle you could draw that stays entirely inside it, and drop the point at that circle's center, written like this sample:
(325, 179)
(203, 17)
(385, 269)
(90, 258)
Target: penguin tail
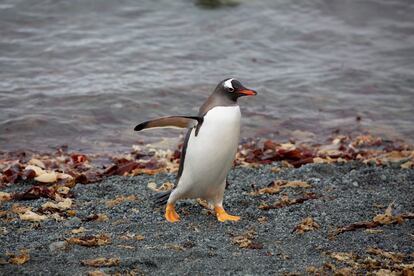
(161, 198)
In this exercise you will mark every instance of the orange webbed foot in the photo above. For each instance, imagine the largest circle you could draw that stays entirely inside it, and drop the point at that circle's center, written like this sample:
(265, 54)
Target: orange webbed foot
(170, 213)
(223, 216)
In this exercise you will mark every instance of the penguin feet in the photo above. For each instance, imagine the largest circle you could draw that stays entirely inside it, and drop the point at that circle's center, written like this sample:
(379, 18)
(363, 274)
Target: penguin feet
(170, 213)
(223, 216)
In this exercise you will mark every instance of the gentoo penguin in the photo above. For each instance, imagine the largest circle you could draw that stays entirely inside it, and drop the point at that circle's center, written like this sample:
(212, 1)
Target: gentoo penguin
(208, 151)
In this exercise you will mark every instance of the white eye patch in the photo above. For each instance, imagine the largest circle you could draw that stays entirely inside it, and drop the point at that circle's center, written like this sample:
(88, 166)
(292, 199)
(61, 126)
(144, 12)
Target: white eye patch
(228, 84)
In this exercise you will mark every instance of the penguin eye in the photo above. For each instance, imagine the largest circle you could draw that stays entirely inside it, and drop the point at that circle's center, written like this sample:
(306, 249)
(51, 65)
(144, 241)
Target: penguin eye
(228, 85)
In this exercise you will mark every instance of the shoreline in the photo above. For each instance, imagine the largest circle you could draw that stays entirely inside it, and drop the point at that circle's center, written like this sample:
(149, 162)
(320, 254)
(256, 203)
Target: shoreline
(64, 167)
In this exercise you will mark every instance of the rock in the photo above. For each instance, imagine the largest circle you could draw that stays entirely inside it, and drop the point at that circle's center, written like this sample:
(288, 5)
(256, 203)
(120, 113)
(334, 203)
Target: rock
(57, 246)
(74, 222)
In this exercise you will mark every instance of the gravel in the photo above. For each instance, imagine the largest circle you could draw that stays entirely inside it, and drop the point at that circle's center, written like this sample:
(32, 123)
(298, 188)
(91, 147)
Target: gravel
(201, 245)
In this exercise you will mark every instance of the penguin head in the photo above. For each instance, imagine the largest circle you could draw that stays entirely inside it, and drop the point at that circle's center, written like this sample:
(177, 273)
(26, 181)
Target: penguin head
(233, 89)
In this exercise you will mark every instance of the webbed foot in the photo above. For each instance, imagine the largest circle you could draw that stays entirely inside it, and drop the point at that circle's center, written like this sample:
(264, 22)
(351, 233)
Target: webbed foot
(170, 213)
(223, 216)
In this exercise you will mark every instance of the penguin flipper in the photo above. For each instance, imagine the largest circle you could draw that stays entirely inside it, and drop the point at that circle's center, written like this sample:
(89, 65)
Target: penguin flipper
(172, 121)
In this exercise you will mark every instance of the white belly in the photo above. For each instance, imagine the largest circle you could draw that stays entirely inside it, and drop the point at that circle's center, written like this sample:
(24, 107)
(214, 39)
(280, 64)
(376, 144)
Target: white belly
(210, 154)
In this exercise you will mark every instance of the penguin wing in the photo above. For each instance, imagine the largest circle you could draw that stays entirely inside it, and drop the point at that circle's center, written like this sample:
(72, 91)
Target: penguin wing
(172, 121)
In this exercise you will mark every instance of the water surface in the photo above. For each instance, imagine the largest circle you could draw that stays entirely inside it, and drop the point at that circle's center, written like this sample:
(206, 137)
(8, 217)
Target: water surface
(83, 73)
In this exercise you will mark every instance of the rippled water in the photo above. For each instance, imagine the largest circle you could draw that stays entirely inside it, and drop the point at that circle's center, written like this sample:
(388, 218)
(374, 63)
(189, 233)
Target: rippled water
(83, 73)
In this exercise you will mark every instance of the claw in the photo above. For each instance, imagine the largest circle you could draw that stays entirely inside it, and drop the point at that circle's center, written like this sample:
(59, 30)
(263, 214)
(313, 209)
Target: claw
(170, 213)
(223, 216)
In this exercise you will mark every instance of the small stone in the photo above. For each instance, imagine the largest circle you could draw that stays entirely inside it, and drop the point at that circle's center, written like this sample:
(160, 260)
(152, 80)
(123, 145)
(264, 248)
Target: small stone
(355, 184)
(3, 231)
(56, 246)
(395, 165)
(74, 222)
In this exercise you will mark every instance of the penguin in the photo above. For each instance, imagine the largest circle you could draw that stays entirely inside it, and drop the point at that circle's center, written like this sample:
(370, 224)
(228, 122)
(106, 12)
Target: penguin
(208, 151)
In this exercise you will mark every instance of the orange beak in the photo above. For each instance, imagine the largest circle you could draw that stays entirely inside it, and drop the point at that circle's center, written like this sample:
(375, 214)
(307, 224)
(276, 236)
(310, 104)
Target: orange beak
(248, 92)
